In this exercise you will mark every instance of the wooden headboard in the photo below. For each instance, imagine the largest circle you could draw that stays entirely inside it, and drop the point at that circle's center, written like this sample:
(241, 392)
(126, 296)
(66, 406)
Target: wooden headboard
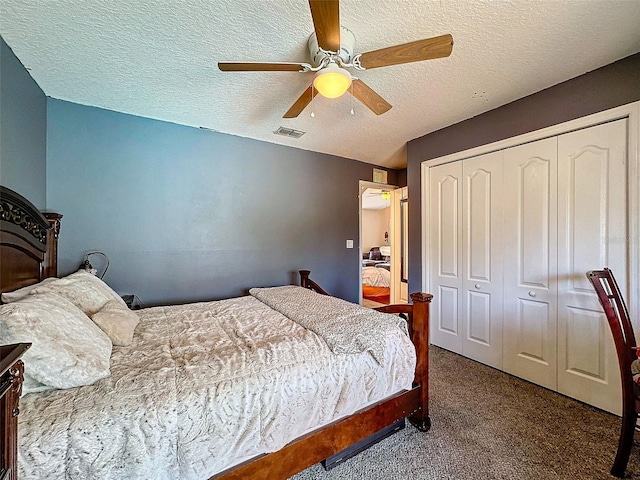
(28, 242)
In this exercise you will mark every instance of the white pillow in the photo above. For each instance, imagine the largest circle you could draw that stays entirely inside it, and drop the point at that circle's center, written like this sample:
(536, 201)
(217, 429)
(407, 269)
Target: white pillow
(84, 290)
(117, 322)
(8, 297)
(68, 349)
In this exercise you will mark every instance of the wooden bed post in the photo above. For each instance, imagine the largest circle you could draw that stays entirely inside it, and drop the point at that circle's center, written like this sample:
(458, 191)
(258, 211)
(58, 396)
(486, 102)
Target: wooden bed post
(304, 278)
(420, 338)
(306, 282)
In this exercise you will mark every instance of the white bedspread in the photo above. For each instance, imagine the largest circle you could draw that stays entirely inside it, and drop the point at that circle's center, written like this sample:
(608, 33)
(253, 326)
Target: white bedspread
(344, 326)
(201, 388)
(376, 277)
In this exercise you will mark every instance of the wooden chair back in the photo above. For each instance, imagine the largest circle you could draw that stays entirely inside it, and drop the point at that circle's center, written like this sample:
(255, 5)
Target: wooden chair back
(624, 339)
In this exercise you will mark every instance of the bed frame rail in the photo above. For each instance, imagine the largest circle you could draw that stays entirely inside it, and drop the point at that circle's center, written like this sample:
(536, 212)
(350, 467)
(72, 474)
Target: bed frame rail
(322, 443)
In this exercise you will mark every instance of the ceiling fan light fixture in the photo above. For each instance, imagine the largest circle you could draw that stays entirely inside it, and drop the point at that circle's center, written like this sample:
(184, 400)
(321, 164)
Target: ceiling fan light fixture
(332, 81)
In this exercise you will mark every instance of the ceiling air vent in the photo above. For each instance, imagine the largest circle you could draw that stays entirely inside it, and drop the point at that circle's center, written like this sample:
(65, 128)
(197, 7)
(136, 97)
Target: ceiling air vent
(289, 132)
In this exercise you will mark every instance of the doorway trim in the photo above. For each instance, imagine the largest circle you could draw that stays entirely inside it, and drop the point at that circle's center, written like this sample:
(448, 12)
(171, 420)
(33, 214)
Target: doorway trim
(363, 185)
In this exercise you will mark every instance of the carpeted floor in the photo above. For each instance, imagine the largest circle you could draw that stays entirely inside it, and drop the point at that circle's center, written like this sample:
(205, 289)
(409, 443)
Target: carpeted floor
(489, 425)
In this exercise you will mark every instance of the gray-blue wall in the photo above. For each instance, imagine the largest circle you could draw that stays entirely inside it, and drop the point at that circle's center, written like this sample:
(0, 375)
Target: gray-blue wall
(607, 87)
(23, 124)
(186, 214)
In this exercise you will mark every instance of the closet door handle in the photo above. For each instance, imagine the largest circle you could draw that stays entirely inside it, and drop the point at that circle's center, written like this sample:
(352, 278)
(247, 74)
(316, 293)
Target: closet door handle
(532, 293)
(477, 286)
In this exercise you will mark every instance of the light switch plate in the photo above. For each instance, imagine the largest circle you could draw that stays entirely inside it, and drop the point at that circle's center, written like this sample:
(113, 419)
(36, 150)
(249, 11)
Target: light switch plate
(349, 243)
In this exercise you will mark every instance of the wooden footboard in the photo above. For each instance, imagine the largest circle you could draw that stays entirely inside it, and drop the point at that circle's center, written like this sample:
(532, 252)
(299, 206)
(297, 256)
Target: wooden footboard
(418, 318)
(326, 441)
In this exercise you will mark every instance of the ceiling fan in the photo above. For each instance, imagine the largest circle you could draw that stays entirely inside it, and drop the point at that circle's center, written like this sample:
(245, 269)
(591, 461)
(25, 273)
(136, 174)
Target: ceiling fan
(332, 51)
(385, 194)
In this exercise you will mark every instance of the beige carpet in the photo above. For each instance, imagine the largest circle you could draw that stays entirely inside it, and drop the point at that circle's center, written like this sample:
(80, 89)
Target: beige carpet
(489, 425)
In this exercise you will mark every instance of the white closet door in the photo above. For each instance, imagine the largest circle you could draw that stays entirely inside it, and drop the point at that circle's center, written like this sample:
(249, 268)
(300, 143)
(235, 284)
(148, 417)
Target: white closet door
(530, 274)
(445, 255)
(592, 234)
(482, 258)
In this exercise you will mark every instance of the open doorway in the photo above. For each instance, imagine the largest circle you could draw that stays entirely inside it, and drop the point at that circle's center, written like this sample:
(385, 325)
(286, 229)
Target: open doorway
(376, 234)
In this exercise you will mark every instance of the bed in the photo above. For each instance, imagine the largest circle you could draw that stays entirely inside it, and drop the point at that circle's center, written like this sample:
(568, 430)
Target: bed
(173, 405)
(376, 283)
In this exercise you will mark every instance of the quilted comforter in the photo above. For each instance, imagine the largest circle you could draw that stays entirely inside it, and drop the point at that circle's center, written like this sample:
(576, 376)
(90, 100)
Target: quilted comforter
(201, 388)
(376, 277)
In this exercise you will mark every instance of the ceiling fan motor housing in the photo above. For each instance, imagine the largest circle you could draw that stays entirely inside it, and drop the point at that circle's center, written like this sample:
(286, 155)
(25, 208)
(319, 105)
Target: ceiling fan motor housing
(345, 54)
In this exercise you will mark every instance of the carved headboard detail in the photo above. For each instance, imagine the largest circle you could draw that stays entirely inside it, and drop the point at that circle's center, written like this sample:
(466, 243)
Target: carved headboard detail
(28, 242)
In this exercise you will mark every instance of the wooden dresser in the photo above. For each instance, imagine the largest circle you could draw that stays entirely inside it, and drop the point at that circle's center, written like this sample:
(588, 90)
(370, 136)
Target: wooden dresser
(11, 370)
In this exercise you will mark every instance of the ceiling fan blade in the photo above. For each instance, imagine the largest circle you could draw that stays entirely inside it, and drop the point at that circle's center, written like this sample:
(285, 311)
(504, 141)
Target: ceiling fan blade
(369, 98)
(261, 67)
(427, 49)
(301, 103)
(326, 21)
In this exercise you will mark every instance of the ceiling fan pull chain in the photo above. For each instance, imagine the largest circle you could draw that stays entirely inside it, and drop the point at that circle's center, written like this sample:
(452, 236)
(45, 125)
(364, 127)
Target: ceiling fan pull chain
(352, 112)
(312, 95)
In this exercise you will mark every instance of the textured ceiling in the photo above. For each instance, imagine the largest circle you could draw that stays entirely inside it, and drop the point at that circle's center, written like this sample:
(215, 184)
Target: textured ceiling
(158, 59)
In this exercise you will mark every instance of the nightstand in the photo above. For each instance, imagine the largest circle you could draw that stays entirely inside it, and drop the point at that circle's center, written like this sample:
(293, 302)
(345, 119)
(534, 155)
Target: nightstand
(133, 302)
(11, 376)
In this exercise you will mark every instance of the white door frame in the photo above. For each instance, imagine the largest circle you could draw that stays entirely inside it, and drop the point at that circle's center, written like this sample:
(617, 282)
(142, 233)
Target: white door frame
(399, 289)
(630, 111)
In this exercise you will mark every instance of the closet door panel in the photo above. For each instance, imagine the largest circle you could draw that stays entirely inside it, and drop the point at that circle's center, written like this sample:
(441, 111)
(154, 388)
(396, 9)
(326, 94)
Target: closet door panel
(592, 219)
(482, 257)
(445, 254)
(530, 287)
(447, 309)
(533, 330)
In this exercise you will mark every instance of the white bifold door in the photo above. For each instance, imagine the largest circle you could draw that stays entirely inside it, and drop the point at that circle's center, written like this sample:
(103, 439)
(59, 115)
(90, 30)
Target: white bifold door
(592, 233)
(511, 235)
(530, 278)
(466, 257)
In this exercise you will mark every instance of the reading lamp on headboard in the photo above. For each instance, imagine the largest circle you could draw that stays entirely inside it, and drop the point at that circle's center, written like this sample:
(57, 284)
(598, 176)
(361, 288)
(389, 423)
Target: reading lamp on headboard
(86, 264)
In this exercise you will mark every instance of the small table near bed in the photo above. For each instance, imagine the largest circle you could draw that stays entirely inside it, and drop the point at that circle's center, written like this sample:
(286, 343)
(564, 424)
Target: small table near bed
(11, 369)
